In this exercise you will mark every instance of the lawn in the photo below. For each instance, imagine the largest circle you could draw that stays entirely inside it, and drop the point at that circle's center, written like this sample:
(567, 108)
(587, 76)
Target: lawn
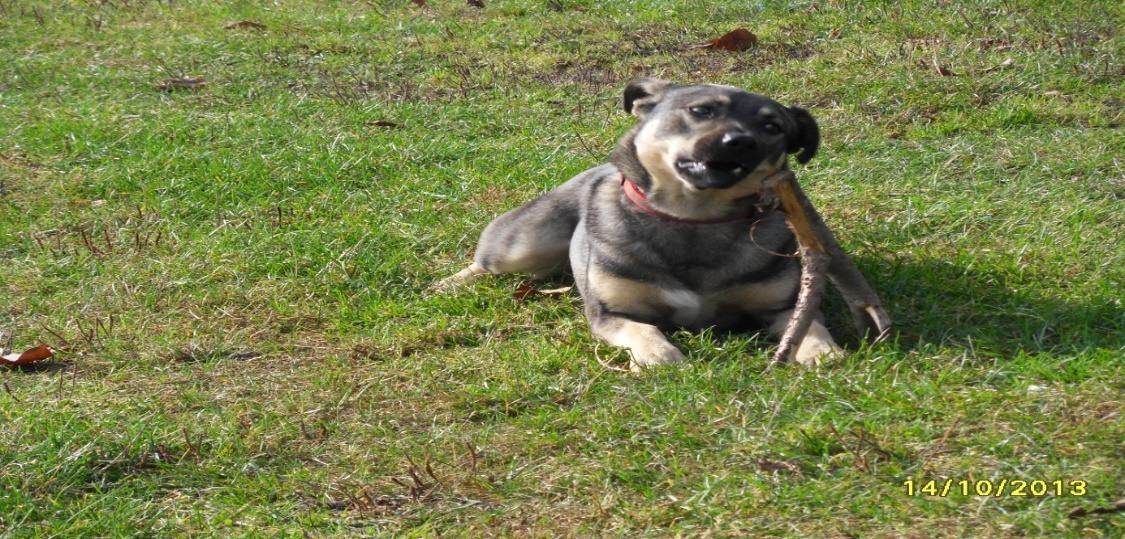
(235, 274)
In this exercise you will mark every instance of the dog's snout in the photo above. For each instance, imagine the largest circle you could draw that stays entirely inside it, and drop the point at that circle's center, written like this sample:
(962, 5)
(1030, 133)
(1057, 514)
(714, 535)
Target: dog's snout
(738, 141)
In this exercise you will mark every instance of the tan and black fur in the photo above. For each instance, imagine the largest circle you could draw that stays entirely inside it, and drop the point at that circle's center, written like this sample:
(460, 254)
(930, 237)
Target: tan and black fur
(698, 153)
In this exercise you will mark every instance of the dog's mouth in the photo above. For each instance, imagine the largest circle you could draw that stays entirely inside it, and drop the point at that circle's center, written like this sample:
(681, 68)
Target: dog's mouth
(712, 174)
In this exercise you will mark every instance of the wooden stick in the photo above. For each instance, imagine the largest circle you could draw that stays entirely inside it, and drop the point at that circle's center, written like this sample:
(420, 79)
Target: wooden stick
(814, 267)
(822, 255)
(871, 321)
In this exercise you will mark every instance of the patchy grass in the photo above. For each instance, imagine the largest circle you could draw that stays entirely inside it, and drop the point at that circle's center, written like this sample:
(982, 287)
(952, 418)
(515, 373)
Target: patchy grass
(235, 274)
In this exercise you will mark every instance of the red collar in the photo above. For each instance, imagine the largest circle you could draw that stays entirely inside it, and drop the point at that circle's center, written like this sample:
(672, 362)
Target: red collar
(638, 198)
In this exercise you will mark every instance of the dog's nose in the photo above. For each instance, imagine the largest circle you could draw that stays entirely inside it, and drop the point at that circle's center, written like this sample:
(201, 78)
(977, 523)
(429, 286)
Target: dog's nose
(738, 141)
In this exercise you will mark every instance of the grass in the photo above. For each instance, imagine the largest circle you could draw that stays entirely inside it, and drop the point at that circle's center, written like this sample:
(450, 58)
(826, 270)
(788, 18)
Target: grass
(235, 275)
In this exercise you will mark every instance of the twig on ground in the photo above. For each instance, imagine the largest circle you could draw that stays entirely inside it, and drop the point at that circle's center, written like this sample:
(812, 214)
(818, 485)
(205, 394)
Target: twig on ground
(605, 364)
(8, 390)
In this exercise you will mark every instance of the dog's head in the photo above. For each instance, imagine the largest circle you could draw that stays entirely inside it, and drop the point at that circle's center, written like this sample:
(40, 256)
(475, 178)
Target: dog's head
(714, 137)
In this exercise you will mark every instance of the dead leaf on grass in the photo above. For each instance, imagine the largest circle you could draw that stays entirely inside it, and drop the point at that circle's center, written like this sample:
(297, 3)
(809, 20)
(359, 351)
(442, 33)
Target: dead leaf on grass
(245, 24)
(735, 40)
(419, 3)
(523, 292)
(475, 3)
(182, 83)
(767, 465)
(39, 353)
(383, 123)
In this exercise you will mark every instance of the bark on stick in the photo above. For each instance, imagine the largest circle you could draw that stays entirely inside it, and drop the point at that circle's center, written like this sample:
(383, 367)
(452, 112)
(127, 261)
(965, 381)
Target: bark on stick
(822, 256)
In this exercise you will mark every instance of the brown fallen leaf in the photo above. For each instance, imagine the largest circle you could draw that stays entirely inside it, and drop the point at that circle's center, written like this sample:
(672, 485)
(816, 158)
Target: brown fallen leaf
(523, 292)
(39, 353)
(245, 24)
(735, 40)
(383, 123)
(419, 3)
(182, 83)
(767, 465)
(1117, 507)
(475, 3)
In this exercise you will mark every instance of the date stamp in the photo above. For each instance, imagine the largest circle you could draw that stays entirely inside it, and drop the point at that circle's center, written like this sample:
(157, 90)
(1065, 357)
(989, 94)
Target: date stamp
(995, 488)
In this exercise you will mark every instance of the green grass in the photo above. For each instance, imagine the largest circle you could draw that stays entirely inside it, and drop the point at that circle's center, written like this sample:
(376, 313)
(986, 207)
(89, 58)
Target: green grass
(274, 365)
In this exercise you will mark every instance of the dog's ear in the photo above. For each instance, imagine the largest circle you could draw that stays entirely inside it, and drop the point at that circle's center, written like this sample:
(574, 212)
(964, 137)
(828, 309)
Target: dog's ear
(641, 95)
(806, 138)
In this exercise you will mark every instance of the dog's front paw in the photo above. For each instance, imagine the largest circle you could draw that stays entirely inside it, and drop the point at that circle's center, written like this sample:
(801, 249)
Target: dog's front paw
(813, 352)
(654, 353)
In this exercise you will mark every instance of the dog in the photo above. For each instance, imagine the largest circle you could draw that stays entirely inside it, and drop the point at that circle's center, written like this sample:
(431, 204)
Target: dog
(674, 231)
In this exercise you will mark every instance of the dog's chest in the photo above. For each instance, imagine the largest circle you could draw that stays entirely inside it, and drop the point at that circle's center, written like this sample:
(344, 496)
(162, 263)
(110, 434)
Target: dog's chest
(705, 264)
(727, 307)
(740, 280)
(693, 276)
(687, 307)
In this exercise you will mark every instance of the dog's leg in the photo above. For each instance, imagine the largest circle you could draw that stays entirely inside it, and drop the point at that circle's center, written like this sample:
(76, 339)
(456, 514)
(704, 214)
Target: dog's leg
(533, 238)
(817, 345)
(647, 345)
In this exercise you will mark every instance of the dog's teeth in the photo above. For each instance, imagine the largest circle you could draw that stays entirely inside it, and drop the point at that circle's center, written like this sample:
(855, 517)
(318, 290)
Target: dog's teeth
(694, 166)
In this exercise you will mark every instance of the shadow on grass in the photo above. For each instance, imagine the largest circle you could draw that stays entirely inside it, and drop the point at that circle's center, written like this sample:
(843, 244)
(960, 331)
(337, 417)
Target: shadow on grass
(939, 302)
(46, 367)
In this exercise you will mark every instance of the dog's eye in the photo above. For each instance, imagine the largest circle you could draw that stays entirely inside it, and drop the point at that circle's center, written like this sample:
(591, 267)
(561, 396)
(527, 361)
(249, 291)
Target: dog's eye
(702, 111)
(771, 128)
